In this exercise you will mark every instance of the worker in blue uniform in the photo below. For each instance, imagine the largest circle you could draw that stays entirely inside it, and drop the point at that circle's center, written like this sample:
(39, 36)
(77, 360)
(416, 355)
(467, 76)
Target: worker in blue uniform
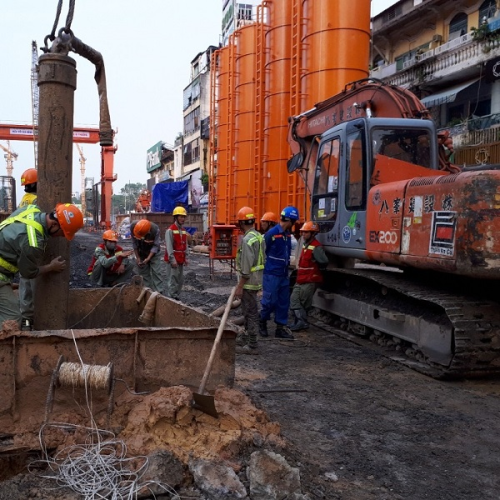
(276, 283)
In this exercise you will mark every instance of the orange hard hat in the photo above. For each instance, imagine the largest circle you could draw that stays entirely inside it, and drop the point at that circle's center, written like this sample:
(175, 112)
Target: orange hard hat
(142, 228)
(246, 214)
(70, 219)
(310, 226)
(110, 235)
(269, 217)
(29, 176)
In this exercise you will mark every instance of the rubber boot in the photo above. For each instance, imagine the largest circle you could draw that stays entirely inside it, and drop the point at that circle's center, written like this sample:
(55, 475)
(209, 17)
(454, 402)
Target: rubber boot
(283, 332)
(263, 328)
(300, 320)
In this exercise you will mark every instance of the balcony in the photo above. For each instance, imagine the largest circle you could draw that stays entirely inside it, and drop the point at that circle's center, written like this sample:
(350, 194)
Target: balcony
(456, 55)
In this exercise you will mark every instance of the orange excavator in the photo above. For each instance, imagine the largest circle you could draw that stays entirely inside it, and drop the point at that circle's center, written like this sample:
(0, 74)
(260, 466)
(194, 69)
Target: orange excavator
(412, 238)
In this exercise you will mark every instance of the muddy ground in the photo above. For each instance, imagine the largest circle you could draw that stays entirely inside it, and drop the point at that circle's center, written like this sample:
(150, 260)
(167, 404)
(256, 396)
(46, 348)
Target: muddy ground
(358, 425)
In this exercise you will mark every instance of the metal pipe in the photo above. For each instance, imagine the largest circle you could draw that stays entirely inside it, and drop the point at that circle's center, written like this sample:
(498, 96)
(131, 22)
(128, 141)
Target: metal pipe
(57, 83)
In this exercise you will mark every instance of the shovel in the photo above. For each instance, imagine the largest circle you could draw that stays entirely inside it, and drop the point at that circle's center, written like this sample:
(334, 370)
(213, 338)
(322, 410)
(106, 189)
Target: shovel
(202, 402)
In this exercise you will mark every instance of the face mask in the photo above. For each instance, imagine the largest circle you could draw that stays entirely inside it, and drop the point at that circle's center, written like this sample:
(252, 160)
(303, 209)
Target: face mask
(110, 245)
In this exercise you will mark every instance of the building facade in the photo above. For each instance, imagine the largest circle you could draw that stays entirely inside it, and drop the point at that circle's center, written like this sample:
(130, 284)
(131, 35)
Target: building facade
(447, 52)
(237, 14)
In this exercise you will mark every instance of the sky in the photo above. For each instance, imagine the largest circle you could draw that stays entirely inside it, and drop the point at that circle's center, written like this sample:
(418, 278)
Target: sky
(147, 47)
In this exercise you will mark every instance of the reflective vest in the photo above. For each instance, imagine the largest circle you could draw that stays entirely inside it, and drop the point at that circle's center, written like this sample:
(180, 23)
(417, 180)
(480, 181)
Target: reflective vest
(255, 281)
(114, 268)
(308, 270)
(26, 217)
(180, 244)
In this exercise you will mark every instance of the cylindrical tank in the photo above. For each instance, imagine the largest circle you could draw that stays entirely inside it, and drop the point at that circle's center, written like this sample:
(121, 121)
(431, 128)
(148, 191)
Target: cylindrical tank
(222, 130)
(244, 172)
(279, 188)
(336, 46)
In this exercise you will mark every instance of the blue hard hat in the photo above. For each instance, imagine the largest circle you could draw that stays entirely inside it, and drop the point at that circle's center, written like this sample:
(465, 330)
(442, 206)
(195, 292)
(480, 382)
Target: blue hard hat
(290, 212)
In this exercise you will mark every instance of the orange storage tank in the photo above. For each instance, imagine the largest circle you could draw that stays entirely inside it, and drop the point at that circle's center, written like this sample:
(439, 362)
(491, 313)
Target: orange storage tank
(244, 173)
(336, 46)
(279, 188)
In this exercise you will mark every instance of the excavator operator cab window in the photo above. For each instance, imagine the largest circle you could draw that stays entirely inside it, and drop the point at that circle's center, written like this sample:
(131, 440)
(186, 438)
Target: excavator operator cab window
(326, 184)
(355, 161)
(408, 145)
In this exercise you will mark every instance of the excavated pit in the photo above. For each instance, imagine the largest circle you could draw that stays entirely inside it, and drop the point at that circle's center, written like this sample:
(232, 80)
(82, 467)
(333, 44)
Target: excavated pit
(147, 359)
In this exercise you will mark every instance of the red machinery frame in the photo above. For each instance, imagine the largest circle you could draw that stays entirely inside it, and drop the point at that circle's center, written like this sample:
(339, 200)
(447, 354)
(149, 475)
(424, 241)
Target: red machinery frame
(15, 132)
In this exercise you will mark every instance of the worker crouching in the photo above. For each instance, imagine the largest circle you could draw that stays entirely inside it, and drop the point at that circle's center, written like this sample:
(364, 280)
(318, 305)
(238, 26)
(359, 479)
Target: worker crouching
(250, 266)
(23, 239)
(311, 262)
(110, 264)
(176, 241)
(146, 244)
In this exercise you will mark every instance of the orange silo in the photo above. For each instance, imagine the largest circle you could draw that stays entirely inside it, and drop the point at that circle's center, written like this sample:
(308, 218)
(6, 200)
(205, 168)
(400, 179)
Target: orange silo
(244, 174)
(221, 131)
(279, 189)
(335, 47)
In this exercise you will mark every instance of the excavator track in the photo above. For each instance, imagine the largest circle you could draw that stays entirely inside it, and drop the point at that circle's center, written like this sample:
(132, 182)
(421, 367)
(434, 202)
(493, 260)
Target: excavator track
(456, 334)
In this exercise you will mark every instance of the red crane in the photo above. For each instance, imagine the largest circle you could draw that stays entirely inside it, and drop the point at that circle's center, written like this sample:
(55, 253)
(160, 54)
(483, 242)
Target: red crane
(15, 132)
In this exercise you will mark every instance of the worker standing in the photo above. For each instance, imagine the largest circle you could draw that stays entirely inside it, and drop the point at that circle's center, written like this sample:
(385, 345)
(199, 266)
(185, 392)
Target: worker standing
(23, 238)
(276, 283)
(311, 261)
(250, 265)
(110, 265)
(146, 244)
(176, 241)
(29, 179)
(268, 221)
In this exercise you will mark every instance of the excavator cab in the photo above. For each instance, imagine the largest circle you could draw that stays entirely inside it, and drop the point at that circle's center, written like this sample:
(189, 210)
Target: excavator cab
(353, 158)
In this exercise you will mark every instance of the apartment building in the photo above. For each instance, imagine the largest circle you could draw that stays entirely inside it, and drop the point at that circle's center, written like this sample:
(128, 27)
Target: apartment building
(447, 52)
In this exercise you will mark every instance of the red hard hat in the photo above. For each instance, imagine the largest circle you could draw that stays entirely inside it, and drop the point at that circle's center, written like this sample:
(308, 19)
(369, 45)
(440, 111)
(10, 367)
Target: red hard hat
(142, 228)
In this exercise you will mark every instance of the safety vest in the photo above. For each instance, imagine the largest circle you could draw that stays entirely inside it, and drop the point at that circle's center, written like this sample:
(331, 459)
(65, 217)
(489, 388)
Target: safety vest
(26, 217)
(253, 237)
(180, 244)
(115, 266)
(308, 270)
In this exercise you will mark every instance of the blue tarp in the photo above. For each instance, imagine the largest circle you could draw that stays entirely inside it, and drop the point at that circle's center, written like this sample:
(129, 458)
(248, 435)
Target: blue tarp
(165, 197)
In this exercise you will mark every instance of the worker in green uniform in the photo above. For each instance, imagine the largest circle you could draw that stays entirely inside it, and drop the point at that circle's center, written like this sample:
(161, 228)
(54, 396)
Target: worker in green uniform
(29, 179)
(146, 244)
(250, 266)
(23, 239)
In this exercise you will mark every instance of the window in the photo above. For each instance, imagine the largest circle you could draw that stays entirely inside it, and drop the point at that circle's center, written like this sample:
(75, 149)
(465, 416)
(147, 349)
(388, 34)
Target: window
(409, 145)
(355, 194)
(487, 10)
(244, 12)
(192, 152)
(326, 183)
(192, 122)
(458, 25)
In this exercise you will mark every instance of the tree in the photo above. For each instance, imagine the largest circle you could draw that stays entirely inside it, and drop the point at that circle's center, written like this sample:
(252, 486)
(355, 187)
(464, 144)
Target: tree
(125, 201)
